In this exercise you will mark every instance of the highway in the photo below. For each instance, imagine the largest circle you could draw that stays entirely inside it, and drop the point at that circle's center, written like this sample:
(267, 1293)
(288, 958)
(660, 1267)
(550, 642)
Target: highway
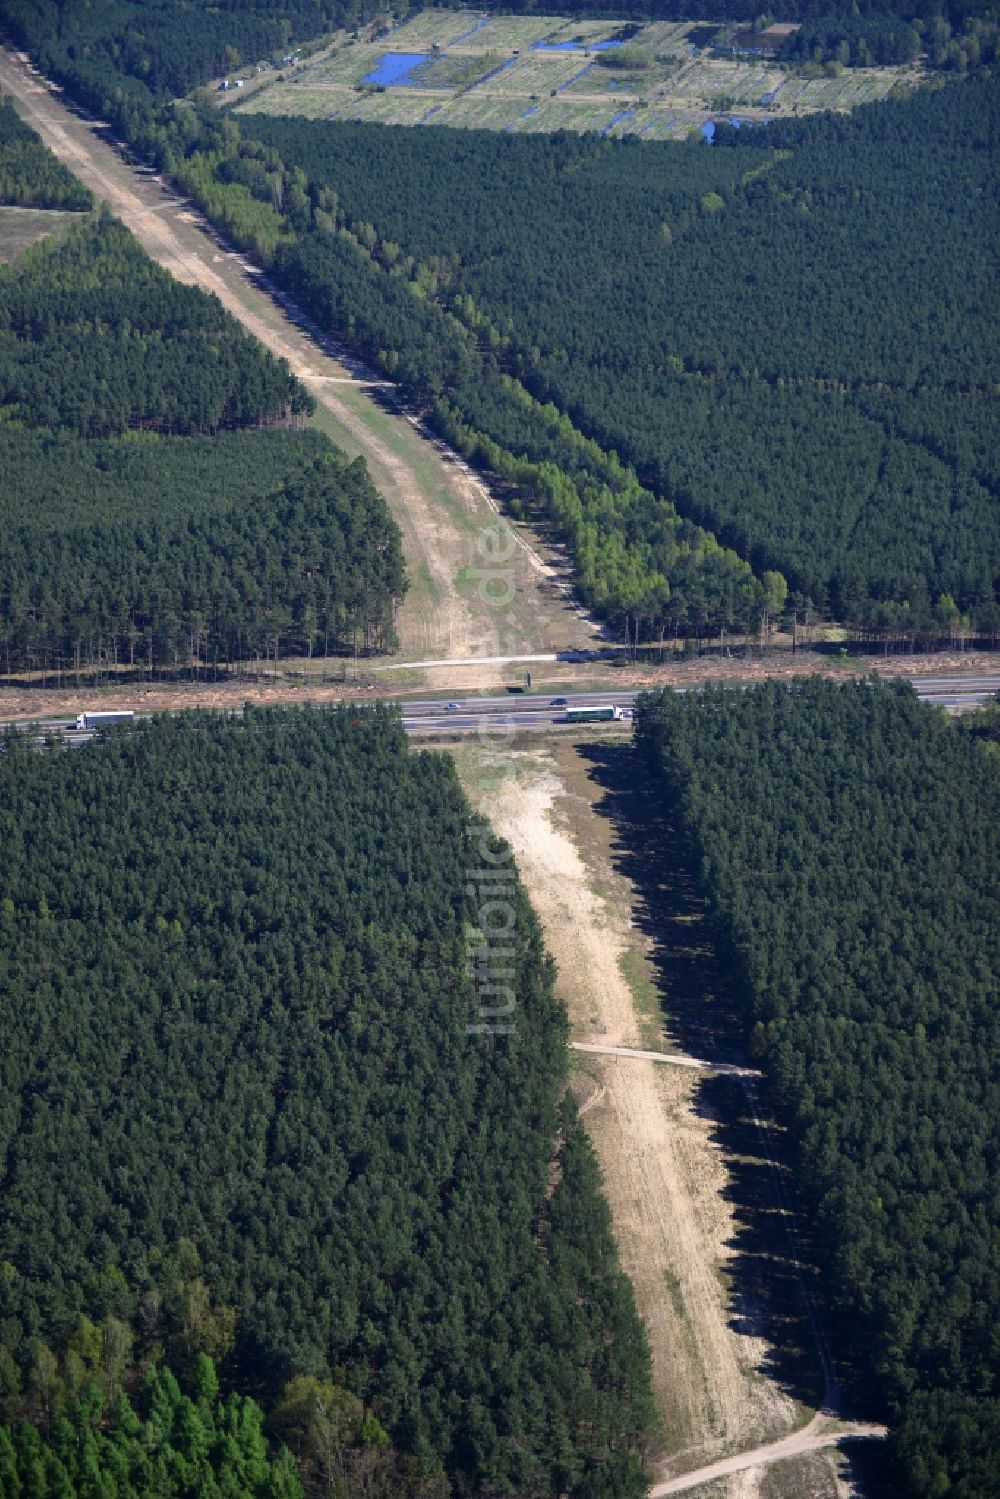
(499, 718)
(494, 715)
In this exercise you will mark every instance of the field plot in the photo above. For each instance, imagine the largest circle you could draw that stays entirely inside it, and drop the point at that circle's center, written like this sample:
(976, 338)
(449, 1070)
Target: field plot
(514, 73)
(709, 80)
(666, 38)
(555, 115)
(434, 27)
(507, 33)
(855, 86)
(537, 73)
(21, 227)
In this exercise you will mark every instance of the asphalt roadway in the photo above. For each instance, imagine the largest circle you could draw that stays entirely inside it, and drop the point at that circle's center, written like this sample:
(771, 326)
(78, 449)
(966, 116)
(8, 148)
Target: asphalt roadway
(497, 719)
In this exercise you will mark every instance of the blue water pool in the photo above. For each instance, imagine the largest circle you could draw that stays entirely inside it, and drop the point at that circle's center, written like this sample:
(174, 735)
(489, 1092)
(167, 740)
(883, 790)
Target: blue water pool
(603, 46)
(394, 68)
(626, 114)
(708, 130)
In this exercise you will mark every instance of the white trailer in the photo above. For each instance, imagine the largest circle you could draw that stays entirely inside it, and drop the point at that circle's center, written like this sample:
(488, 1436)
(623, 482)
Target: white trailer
(103, 720)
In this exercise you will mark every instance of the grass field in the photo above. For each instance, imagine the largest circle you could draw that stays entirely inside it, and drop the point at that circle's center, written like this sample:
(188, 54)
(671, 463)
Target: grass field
(21, 227)
(494, 73)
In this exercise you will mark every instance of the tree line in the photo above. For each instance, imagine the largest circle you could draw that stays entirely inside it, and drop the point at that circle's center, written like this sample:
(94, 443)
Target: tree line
(246, 1111)
(846, 838)
(163, 48)
(161, 509)
(191, 554)
(860, 41)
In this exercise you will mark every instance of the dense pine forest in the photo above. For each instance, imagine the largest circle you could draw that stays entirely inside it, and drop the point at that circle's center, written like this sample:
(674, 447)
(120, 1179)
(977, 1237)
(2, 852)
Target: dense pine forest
(800, 411)
(847, 839)
(158, 507)
(30, 176)
(820, 401)
(96, 339)
(247, 1109)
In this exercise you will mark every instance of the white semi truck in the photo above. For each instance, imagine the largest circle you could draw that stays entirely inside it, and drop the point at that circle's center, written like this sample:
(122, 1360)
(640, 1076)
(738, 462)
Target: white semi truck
(103, 720)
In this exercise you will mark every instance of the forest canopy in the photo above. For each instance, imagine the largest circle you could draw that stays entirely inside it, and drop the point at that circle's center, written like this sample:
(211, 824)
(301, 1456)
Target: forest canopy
(810, 390)
(169, 1442)
(247, 1108)
(158, 505)
(809, 380)
(847, 841)
(30, 176)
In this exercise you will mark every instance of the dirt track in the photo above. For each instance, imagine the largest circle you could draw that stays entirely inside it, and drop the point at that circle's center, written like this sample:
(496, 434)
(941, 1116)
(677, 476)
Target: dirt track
(819, 1434)
(663, 1174)
(440, 506)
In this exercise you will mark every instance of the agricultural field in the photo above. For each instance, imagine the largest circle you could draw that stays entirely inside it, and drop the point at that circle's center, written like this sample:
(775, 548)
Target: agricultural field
(544, 73)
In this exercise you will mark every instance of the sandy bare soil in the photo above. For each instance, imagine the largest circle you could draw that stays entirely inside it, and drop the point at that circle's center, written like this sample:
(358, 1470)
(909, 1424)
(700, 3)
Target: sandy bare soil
(663, 1173)
(819, 1434)
(442, 509)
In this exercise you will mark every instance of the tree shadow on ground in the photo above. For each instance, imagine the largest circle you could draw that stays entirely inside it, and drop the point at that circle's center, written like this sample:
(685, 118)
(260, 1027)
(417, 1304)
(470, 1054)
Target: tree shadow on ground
(772, 1281)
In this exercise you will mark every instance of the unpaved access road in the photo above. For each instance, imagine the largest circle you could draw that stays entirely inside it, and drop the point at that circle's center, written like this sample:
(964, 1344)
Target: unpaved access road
(667, 1058)
(820, 1433)
(444, 511)
(664, 1177)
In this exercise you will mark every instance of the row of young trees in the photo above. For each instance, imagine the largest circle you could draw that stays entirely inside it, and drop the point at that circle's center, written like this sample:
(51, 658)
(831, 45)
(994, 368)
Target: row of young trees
(160, 508)
(846, 838)
(248, 1107)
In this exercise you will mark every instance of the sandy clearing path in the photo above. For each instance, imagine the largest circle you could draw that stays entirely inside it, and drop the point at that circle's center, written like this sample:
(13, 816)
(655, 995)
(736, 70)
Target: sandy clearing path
(812, 1438)
(668, 1058)
(441, 507)
(664, 1176)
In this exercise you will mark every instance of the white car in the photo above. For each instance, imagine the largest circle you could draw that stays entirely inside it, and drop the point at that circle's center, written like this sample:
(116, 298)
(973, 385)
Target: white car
(453, 707)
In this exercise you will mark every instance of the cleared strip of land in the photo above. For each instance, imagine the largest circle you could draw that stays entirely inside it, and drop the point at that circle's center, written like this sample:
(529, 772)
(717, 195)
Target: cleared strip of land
(667, 1179)
(446, 515)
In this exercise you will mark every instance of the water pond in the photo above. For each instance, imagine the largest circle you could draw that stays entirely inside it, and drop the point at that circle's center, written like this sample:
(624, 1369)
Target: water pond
(394, 68)
(575, 46)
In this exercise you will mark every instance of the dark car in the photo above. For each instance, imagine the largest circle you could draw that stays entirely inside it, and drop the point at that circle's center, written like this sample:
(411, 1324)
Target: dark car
(558, 702)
